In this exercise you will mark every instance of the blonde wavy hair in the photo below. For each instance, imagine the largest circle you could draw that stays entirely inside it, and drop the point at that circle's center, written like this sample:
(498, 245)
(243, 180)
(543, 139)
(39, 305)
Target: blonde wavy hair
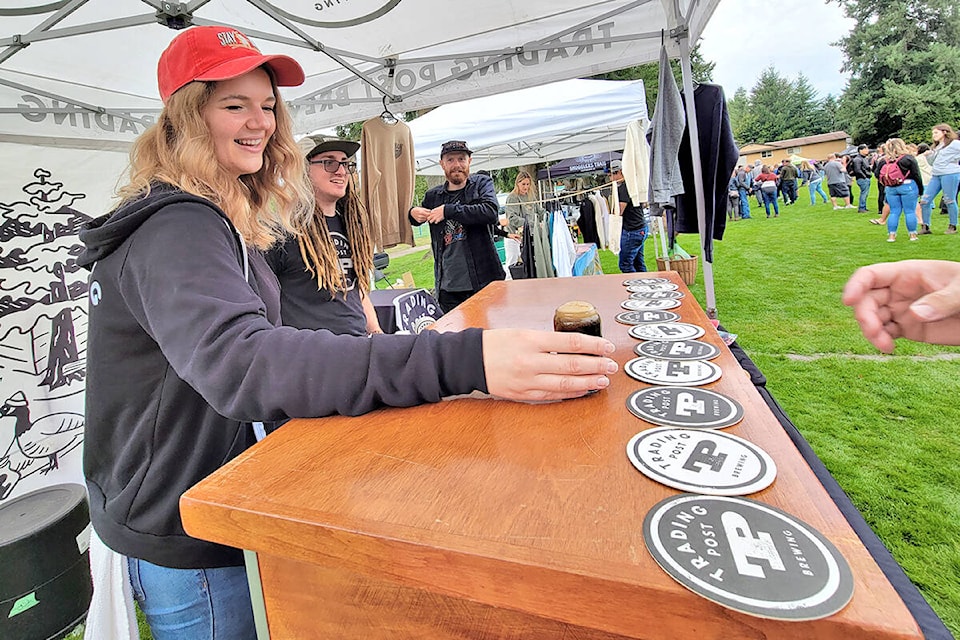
(319, 254)
(178, 150)
(896, 147)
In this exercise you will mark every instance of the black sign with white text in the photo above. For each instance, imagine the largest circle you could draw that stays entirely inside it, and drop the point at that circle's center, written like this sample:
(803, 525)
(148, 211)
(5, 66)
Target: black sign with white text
(748, 556)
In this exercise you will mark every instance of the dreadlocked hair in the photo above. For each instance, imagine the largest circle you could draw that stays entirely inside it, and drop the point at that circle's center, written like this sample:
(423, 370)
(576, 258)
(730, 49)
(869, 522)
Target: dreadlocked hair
(319, 254)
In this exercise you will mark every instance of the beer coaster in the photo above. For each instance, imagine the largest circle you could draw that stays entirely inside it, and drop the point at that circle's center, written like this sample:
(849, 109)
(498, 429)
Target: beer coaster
(677, 350)
(646, 317)
(685, 407)
(634, 282)
(652, 286)
(668, 331)
(672, 372)
(708, 462)
(748, 556)
(640, 305)
(656, 295)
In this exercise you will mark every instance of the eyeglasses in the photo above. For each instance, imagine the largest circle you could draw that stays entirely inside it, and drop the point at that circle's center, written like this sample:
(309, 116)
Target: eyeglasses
(332, 166)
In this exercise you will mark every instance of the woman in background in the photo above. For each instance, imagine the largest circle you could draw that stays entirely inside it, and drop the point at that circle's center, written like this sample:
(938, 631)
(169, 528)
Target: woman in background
(767, 183)
(521, 208)
(945, 176)
(813, 176)
(902, 198)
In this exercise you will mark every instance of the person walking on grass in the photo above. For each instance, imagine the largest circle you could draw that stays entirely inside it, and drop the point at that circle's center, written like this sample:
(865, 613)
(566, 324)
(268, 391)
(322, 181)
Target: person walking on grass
(837, 182)
(788, 181)
(902, 197)
(859, 168)
(767, 184)
(813, 177)
(945, 176)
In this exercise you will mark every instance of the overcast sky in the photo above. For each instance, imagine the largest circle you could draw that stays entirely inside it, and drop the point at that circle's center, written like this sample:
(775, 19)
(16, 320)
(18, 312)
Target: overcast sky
(745, 36)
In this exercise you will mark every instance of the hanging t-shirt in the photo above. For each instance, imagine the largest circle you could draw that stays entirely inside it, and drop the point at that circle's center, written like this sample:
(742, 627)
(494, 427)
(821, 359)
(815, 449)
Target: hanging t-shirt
(303, 304)
(456, 271)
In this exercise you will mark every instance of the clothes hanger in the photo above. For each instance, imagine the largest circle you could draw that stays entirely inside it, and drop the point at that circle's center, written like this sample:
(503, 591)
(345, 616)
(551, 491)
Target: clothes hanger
(386, 115)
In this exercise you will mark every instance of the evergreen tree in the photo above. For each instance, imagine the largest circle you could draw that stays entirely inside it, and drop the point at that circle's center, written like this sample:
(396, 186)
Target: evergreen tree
(778, 109)
(904, 60)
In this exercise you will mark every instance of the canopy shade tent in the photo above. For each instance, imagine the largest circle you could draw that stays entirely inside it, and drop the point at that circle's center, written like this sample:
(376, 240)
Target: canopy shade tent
(590, 163)
(532, 125)
(82, 71)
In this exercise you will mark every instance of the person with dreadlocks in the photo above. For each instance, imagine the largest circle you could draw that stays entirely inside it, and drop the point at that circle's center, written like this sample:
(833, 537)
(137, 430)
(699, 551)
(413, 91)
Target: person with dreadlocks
(324, 270)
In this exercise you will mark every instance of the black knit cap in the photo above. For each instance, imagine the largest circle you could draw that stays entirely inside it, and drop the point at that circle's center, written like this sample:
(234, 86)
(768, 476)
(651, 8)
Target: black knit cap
(455, 146)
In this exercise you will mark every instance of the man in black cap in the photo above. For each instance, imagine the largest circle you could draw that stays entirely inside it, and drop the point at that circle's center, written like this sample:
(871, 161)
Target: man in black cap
(462, 213)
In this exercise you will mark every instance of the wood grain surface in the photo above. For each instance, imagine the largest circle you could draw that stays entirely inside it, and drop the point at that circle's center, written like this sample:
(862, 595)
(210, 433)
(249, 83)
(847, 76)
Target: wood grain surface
(481, 518)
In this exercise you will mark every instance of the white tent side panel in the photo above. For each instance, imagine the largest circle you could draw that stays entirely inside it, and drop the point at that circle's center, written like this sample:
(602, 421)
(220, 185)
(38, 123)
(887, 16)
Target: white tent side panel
(45, 196)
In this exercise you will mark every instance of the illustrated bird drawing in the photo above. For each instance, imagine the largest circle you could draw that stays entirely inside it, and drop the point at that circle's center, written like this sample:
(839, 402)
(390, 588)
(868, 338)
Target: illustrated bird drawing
(45, 439)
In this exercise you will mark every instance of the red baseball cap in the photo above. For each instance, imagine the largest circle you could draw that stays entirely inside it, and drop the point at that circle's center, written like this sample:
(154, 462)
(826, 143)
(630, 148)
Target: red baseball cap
(218, 53)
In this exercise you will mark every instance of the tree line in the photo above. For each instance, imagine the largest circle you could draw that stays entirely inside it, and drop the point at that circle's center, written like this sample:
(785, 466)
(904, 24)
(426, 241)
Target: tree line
(903, 57)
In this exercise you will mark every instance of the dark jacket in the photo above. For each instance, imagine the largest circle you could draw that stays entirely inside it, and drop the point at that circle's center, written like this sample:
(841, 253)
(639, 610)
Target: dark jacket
(859, 167)
(184, 351)
(478, 213)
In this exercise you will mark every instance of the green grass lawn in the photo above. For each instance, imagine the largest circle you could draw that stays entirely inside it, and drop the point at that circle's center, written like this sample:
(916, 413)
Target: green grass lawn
(886, 427)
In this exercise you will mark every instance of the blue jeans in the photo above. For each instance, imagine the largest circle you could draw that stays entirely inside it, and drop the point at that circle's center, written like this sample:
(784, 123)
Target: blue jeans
(864, 184)
(948, 184)
(744, 203)
(816, 187)
(193, 604)
(631, 250)
(902, 199)
(770, 197)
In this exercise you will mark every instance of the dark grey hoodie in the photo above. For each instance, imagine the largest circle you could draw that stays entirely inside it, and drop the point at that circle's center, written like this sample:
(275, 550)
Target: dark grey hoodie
(184, 350)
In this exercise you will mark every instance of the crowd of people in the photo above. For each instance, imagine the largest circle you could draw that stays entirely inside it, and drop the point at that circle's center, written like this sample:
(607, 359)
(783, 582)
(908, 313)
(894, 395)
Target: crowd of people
(906, 192)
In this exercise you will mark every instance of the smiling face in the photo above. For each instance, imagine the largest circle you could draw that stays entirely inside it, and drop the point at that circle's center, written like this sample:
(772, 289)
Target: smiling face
(936, 134)
(240, 117)
(456, 168)
(328, 187)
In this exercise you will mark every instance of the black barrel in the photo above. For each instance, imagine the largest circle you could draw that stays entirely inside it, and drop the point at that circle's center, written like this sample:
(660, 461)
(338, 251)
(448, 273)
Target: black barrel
(45, 586)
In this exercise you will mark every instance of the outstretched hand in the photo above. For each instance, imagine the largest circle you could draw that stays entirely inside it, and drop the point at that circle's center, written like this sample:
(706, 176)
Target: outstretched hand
(914, 299)
(527, 365)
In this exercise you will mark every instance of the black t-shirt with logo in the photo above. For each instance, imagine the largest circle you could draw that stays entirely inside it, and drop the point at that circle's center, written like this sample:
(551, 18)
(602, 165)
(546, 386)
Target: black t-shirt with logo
(633, 218)
(456, 270)
(302, 303)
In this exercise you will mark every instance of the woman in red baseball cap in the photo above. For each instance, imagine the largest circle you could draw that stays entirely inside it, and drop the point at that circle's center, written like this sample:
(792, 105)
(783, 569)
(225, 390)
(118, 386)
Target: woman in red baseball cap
(186, 356)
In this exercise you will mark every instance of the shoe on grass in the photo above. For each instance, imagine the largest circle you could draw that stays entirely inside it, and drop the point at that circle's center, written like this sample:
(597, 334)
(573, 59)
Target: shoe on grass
(892, 237)
(951, 229)
(924, 229)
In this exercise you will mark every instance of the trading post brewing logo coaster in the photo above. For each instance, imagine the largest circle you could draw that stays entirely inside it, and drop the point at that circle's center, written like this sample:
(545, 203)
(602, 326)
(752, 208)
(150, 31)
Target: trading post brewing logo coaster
(672, 372)
(685, 407)
(702, 461)
(646, 303)
(646, 317)
(748, 556)
(636, 282)
(677, 350)
(651, 287)
(666, 331)
(656, 295)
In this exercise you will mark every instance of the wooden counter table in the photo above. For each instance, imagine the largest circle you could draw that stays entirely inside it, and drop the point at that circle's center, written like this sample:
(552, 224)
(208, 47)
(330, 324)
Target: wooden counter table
(479, 518)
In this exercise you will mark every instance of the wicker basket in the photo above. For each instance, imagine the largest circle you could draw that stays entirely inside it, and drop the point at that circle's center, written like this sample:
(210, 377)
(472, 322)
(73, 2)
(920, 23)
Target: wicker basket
(686, 267)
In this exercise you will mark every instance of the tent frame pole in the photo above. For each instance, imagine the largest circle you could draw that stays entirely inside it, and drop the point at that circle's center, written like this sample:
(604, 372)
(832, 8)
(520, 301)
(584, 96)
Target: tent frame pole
(683, 40)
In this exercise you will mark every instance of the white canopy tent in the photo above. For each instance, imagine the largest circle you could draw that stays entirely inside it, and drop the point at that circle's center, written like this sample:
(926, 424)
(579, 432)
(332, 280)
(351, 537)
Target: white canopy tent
(532, 125)
(78, 84)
